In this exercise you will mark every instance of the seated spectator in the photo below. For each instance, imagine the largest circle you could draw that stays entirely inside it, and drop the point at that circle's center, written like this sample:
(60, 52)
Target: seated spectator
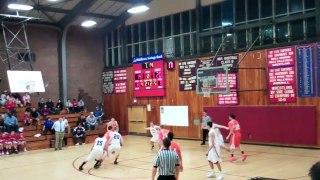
(5, 140)
(47, 126)
(79, 134)
(82, 121)
(11, 105)
(91, 122)
(98, 113)
(59, 106)
(45, 111)
(75, 107)
(35, 116)
(81, 105)
(22, 143)
(41, 104)
(26, 118)
(26, 100)
(69, 106)
(11, 123)
(50, 106)
(18, 102)
(14, 142)
(2, 129)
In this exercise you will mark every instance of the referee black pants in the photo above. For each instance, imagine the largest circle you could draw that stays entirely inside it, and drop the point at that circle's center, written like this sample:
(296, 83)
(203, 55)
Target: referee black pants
(204, 135)
(161, 177)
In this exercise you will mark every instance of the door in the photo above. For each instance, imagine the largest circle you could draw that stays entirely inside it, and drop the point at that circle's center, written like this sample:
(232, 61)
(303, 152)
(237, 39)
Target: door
(137, 119)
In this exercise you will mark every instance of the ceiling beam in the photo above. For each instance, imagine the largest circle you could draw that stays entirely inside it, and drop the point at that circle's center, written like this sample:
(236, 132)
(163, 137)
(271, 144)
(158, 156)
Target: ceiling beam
(65, 11)
(45, 13)
(77, 11)
(120, 19)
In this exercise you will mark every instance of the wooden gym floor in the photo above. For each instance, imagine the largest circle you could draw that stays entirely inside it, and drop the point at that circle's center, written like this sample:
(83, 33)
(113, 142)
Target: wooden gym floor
(136, 160)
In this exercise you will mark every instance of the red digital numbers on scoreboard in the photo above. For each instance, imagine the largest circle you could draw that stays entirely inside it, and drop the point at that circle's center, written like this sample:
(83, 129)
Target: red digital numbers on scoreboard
(149, 76)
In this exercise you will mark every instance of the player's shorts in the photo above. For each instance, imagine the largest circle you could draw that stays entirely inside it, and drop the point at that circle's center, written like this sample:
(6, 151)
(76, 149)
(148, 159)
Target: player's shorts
(214, 155)
(235, 141)
(114, 149)
(95, 154)
(154, 139)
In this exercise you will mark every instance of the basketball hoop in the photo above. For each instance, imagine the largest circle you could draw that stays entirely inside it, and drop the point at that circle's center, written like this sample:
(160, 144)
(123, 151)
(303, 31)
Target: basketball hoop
(206, 90)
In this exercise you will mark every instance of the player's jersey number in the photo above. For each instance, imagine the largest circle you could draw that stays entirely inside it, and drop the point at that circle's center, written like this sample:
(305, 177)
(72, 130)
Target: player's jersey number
(99, 143)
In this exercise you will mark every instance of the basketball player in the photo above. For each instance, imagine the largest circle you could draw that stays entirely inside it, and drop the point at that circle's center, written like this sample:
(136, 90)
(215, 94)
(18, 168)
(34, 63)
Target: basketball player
(155, 134)
(114, 124)
(6, 143)
(213, 152)
(97, 152)
(115, 142)
(163, 133)
(235, 137)
(14, 141)
(21, 141)
(219, 135)
(175, 147)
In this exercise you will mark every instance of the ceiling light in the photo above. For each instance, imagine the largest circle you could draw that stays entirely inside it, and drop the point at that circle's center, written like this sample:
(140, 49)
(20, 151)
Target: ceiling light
(22, 7)
(88, 23)
(138, 9)
(229, 34)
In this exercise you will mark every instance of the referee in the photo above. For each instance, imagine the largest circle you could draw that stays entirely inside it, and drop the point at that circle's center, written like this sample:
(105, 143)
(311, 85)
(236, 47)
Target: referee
(168, 163)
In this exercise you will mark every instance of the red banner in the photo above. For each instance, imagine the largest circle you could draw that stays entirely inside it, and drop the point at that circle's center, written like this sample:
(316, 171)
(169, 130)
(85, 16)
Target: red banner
(120, 80)
(232, 97)
(281, 75)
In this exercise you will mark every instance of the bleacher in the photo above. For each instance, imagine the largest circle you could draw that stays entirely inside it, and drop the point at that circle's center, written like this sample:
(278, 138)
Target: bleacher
(47, 141)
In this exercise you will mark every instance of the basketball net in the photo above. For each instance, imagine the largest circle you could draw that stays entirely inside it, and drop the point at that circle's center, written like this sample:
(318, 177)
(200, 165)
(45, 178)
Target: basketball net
(206, 90)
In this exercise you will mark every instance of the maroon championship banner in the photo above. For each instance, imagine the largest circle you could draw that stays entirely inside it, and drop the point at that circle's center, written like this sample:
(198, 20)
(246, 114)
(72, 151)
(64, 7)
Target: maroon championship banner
(149, 76)
(107, 82)
(188, 75)
(281, 75)
(120, 80)
(232, 97)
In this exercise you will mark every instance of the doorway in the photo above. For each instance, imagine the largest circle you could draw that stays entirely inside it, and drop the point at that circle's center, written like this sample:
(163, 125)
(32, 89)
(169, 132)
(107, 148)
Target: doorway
(137, 119)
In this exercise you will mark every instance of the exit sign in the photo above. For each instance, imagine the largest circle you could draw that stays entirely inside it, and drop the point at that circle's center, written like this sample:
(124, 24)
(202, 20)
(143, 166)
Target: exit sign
(170, 65)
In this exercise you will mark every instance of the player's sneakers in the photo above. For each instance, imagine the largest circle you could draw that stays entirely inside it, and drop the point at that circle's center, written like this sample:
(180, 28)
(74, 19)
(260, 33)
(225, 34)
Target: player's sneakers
(221, 176)
(7, 153)
(25, 149)
(2, 153)
(152, 147)
(233, 159)
(77, 144)
(211, 175)
(80, 168)
(83, 144)
(244, 157)
(115, 162)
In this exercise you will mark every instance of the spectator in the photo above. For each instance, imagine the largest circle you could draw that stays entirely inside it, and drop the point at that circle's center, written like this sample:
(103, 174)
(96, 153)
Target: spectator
(11, 105)
(69, 106)
(45, 111)
(35, 116)
(82, 121)
(18, 102)
(50, 106)
(59, 106)
(11, 123)
(98, 113)
(2, 129)
(22, 143)
(41, 104)
(75, 107)
(79, 134)
(26, 99)
(91, 122)
(47, 126)
(26, 118)
(81, 105)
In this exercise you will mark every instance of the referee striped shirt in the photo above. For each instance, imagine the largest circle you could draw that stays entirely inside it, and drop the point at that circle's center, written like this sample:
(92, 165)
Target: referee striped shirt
(167, 161)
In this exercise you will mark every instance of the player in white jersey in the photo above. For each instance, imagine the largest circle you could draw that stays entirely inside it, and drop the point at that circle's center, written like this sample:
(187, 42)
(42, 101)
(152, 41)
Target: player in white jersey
(155, 134)
(213, 152)
(98, 151)
(115, 142)
(219, 135)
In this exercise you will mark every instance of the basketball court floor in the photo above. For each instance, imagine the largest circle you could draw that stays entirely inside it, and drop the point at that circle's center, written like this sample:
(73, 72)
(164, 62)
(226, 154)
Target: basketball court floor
(136, 159)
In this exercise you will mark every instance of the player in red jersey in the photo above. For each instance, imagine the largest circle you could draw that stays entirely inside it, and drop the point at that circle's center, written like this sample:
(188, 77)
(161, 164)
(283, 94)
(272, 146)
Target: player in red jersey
(235, 137)
(21, 141)
(162, 134)
(1, 146)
